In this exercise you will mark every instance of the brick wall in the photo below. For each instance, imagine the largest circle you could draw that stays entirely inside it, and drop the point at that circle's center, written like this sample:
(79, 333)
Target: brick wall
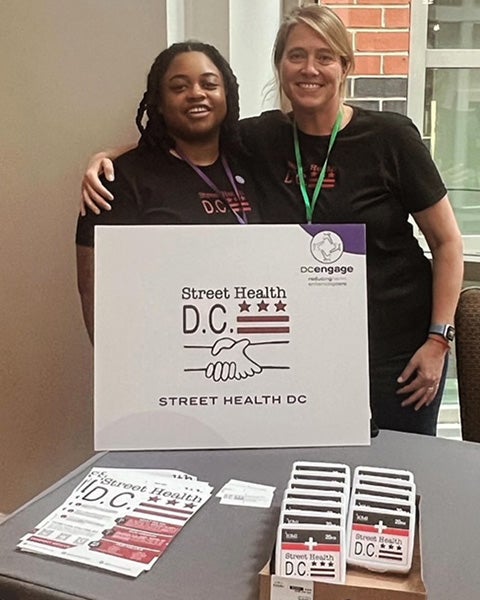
(380, 35)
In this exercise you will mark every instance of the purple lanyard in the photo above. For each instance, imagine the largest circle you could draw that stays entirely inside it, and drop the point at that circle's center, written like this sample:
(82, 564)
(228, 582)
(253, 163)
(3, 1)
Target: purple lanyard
(242, 219)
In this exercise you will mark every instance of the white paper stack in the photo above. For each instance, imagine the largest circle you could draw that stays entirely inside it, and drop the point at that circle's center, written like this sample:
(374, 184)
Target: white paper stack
(121, 520)
(244, 493)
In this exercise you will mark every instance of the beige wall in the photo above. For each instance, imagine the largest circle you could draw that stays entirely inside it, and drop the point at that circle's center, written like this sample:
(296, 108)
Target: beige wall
(72, 74)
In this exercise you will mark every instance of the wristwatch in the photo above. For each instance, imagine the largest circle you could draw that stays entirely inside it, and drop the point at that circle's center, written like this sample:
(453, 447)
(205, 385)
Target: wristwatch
(446, 331)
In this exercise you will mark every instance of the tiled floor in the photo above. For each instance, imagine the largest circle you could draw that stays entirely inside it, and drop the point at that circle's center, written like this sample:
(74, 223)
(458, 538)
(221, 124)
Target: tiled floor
(450, 429)
(449, 417)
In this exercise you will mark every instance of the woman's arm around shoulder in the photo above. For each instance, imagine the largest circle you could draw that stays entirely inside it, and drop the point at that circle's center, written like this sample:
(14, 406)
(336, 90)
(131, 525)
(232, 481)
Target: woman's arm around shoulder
(95, 195)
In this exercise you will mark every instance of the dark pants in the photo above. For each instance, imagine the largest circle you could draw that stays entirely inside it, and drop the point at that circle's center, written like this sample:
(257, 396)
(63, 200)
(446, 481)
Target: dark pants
(387, 411)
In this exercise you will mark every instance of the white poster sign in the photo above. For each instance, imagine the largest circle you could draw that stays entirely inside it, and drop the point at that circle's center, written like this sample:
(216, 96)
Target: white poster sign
(230, 336)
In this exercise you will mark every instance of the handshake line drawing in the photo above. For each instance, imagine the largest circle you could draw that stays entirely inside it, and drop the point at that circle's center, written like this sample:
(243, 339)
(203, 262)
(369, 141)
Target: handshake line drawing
(231, 361)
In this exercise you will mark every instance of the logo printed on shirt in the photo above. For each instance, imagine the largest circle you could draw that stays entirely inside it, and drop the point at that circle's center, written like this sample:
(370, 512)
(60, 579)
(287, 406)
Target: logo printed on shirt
(311, 176)
(213, 204)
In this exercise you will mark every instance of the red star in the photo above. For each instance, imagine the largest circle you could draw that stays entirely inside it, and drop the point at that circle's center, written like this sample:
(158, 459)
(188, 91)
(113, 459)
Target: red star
(244, 306)
(262, 306)
(280, 306)
(153, 499)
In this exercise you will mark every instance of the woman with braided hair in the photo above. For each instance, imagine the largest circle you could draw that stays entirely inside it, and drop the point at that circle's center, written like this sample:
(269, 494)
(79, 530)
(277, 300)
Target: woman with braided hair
(188, 167)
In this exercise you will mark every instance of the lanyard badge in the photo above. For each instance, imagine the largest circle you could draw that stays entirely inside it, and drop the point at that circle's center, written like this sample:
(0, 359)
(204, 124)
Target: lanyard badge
(241, 218)
(310, 204)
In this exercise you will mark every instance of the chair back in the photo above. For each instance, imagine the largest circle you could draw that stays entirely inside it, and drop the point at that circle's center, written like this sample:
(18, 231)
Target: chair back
(467, 347)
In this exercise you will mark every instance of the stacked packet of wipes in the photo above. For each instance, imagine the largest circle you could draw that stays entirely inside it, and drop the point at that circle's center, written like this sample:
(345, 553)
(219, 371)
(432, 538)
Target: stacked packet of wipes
(311, 531)
(381, 519)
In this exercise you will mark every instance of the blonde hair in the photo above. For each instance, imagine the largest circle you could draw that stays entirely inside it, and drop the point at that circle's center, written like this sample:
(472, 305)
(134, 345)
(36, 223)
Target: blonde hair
(324, 22)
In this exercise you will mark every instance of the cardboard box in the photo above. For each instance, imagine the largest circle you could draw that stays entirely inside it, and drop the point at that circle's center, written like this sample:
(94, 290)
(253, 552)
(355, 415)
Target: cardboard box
(360, 584)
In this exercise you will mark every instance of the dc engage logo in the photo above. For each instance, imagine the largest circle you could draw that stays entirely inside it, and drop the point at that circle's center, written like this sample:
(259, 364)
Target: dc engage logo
(326, 247)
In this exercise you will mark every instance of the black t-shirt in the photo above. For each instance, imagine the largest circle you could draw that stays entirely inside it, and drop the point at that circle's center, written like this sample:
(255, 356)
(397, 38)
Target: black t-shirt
(153, 187)
(379, 172)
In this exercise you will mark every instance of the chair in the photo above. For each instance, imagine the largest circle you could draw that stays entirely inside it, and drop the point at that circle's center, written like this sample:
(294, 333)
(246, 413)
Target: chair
(467, 324)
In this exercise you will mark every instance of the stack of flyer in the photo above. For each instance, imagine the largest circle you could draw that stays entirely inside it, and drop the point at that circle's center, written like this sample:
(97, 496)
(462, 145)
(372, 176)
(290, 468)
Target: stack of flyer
(121, 520)
(311, 532)
(244, 493)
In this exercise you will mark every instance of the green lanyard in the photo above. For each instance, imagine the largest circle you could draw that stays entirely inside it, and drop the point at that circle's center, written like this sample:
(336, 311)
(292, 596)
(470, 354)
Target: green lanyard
(310, 204)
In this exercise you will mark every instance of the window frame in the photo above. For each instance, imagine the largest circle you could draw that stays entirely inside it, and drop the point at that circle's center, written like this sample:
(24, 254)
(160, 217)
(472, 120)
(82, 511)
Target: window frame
(421, 59)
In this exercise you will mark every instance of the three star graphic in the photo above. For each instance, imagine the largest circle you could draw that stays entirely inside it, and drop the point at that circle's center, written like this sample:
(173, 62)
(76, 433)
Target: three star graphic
(263, 306)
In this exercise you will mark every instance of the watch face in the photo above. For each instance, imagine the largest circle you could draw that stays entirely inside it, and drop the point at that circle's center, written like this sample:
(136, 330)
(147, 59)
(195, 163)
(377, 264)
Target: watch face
(450, 333)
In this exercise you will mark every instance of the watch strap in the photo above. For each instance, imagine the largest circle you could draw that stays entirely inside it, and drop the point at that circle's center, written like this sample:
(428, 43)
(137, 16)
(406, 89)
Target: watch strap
(446, 331)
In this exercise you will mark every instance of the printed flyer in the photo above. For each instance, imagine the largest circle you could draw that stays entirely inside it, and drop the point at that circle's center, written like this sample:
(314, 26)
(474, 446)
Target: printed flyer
(119, 520)
(230, 336)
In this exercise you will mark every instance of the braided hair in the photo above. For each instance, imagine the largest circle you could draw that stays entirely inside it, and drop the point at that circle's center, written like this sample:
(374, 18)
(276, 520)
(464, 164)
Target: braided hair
(155, 132)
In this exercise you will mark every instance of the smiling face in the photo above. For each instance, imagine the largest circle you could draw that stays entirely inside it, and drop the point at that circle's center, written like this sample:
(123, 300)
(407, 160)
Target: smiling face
(194, 103)
(311, 74)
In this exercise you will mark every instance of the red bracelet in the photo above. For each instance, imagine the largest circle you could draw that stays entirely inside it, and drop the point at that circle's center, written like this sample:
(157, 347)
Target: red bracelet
(439, 340)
